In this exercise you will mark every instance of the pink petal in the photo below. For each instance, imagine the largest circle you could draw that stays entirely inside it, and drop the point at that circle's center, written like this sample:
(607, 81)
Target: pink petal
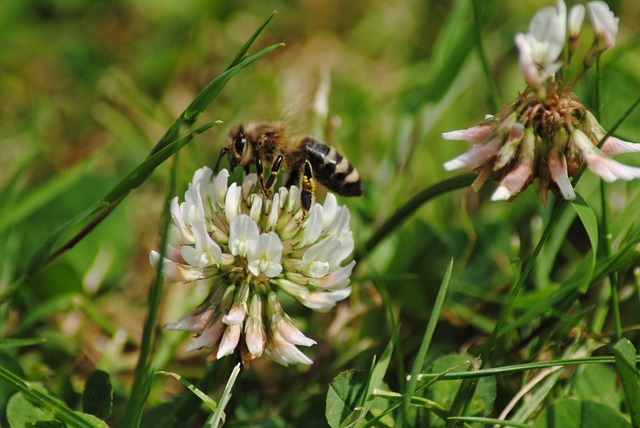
(558, 169)
(517, 178)
(229, 340)
(615, 146)
(611, 170)
(512, 183)
(598, 162)
(254, 337)
(475, 134)
(475, 156)
(209, 337)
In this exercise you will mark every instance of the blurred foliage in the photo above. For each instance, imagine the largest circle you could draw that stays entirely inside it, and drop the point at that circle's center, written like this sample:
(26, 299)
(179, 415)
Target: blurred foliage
(90, 86)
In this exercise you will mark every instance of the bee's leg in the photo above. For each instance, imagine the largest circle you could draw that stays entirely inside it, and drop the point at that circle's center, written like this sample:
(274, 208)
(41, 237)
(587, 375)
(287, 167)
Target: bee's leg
(308, 186)
(260, 172)
(273, 174)
(294, 178)
(223, 151)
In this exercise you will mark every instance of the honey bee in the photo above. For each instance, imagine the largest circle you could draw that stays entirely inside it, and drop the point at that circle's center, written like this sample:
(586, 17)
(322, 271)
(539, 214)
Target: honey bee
(306, 158)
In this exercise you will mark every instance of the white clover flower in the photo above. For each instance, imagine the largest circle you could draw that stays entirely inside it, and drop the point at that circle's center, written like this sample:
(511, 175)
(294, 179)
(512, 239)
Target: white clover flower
(546, 133)
(251, 246)
(541, 47)
(575, 19)
(604, 23)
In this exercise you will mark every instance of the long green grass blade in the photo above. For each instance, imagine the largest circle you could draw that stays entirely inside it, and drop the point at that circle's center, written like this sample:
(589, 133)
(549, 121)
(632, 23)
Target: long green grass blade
(376, 377)
(418, 364)
(516, 368)
(144, 372)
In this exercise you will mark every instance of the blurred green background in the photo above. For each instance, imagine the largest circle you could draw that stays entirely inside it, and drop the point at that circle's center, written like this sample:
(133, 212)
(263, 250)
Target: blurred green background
(89, 86)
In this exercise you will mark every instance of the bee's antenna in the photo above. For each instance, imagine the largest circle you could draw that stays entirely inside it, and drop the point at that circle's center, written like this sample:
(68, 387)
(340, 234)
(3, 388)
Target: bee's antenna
(223, 151)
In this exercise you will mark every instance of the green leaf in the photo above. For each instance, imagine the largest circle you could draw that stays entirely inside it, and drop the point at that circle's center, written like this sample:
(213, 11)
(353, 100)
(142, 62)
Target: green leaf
(444, 392)
(22, 413)
(625, 354)
(597, 382)
(343, 399)
(580, 414)
(97, 398)
(590, 223)
(94, 421)
(43, 399)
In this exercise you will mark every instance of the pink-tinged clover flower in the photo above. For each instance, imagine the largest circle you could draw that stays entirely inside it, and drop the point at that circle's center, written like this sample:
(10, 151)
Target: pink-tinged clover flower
(546, 133)
(251, 246)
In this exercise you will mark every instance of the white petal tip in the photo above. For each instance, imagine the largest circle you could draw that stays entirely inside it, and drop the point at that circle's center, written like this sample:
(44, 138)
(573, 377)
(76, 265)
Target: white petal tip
(501, 194)
(454, 164)
(568, 194)
(453, 135)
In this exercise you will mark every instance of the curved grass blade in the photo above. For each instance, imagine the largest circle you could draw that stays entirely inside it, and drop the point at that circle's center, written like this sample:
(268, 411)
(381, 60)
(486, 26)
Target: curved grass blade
(206, 400)
(409, 207)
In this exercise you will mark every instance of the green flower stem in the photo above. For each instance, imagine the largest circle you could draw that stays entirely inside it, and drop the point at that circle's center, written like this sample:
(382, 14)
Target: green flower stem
(493, 93)
(604, 200)
(143, 373)
(409, 207)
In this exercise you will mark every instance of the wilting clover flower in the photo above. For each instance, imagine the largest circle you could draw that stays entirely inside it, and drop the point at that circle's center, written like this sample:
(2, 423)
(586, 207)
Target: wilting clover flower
(546, 133)
(250, 246)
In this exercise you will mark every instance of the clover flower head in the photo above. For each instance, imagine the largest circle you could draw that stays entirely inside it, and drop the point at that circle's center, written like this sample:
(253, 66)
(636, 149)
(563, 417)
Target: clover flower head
(251, 246)
(546, 133)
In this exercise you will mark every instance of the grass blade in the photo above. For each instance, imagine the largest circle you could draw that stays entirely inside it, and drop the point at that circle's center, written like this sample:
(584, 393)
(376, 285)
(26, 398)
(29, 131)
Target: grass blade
(214, 420)
(426, 340)
(212, 405)
(17, 343)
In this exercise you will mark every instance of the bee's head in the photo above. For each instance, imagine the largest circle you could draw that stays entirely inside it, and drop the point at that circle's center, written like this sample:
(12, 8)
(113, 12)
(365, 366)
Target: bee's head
(238, 150)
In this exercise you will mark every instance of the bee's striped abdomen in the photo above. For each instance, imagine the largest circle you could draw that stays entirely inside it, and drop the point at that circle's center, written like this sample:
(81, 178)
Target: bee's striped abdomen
(332, 169)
